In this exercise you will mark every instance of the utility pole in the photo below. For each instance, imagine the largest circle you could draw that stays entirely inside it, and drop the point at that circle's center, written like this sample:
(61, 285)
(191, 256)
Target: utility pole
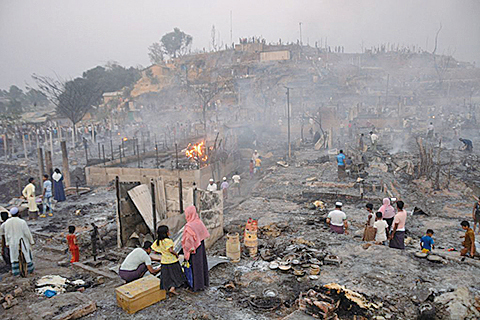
(300, 25)
(288, 124)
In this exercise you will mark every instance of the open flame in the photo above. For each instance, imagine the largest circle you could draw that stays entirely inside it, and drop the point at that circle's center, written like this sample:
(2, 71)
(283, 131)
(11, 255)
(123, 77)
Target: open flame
(196, 152)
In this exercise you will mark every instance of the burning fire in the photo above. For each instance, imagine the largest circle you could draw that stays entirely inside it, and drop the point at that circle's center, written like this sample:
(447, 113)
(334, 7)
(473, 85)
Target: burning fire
(196, 152)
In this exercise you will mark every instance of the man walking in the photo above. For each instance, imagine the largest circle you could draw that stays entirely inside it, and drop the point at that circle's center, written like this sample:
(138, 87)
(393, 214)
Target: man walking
(18, 237)
(341, 165)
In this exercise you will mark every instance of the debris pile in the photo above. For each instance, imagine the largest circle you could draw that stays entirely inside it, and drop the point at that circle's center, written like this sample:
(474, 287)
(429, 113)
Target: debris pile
(333, 301)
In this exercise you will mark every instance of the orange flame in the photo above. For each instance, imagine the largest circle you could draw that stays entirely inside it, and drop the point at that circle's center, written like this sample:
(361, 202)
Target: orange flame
(196, 152)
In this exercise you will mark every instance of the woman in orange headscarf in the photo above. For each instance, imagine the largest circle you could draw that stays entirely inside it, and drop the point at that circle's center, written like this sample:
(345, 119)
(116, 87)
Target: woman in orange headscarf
(194, 248)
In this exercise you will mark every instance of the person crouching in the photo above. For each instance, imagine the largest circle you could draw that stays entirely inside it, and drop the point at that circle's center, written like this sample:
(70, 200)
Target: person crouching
(337, 219)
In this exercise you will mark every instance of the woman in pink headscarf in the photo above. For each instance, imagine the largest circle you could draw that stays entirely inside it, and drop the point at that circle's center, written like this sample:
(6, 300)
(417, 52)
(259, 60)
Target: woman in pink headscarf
(388, 212)
(194, 248)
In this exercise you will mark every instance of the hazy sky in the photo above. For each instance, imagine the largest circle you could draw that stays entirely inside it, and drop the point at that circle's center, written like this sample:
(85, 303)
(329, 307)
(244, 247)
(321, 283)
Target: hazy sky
(67, 37)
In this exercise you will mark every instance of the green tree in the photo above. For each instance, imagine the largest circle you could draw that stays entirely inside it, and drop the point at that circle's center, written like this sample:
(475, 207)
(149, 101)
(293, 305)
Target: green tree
(176, 43)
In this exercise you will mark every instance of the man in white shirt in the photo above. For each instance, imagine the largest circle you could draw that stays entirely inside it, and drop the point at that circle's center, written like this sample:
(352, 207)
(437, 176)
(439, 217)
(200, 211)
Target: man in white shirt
(137, 263)
(236, 182)
(374, 139)
(337, 219)
(224, 186)
(211, 186)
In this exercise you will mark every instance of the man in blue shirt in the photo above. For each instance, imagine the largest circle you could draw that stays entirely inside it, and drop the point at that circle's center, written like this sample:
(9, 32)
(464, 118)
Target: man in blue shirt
(426, 242)
(341, 165)
(47, 196)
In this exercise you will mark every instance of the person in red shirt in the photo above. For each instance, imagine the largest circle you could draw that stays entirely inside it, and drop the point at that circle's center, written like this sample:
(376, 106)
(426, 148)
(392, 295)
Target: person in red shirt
(72, 244)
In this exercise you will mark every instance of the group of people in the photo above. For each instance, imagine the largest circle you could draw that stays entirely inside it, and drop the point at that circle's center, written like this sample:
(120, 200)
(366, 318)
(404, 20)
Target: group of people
(51, 190)
(225, 186)
(193, 273)
(388, 225)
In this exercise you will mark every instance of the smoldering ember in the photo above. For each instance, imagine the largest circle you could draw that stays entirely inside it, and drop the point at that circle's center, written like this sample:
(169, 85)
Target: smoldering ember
(256, 180)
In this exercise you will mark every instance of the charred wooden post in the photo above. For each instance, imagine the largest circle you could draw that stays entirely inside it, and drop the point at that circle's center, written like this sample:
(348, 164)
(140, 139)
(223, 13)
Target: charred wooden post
(66, 169)
(154, 211)
(40, 166)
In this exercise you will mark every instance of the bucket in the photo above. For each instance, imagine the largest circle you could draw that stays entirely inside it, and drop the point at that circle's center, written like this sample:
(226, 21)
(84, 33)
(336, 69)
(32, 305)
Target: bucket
(314, 269)
(233, 246)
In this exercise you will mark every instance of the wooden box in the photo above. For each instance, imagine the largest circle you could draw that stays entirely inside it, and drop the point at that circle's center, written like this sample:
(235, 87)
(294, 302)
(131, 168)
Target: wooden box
(139, 294)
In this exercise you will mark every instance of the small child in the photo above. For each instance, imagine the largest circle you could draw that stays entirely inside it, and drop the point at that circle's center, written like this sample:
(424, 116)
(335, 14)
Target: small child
(469, 242)
(172, 275)
(251, 168)
(72, 244)
(426, 242)
(380, 226)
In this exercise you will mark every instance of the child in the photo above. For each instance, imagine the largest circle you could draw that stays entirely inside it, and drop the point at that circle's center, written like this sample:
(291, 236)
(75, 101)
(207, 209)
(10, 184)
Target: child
(426, 242)
(469, 243)
(380, 227)
(251, 169)
(258, 165)
(72, 244)
(172, 275)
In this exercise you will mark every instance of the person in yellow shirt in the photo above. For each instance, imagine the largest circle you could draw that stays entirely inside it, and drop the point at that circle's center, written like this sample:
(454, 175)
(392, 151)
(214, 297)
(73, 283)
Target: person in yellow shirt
(29, 195)
(172, 275)
(258, 165)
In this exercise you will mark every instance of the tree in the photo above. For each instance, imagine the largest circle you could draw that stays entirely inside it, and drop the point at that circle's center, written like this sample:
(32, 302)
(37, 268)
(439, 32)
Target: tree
(36, 97)
(176, 43)
(208, 91)
(72, 99)
(155, 53)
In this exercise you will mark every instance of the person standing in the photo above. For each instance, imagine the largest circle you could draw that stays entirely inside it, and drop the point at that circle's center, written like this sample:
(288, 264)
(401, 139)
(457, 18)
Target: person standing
(361, 143)
(397, 237)
(47, 197)
(171, 274)
(476, 215)
(374, 140)
(5, 250)
(72, 244)
(380, 227)
(58, 190)
(388, 212)
(251, 167)
(369, 232)
(193, 245)
(29, 195)
(341, 165)
(224, 187)
(258, 165)
(236, 182)
(430, 131)
(212, 186)
(469, 242)
(337, 219)
(18, 237)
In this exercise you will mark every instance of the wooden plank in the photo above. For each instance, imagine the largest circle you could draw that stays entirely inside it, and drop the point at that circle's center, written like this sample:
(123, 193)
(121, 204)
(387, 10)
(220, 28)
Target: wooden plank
(78, 312)
(96, 271)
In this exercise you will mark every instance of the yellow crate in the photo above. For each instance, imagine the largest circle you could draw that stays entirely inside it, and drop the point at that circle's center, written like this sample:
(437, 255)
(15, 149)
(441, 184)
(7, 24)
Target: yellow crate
(139, 294)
